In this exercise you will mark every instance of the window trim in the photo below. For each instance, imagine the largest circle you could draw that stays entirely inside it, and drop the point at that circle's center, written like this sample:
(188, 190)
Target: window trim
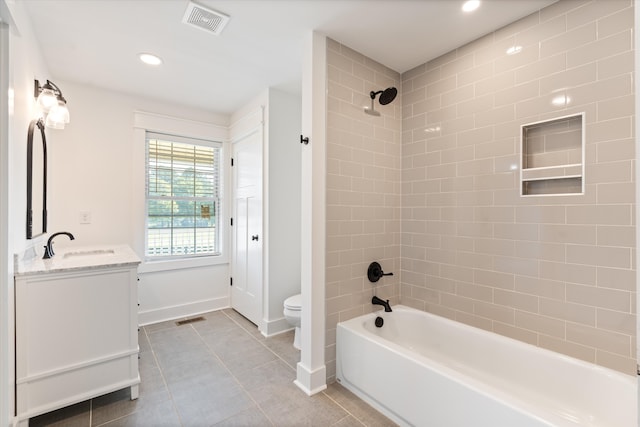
(157, 123)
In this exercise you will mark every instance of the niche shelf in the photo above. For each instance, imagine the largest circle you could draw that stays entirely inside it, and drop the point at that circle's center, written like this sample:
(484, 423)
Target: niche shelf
(552, 160)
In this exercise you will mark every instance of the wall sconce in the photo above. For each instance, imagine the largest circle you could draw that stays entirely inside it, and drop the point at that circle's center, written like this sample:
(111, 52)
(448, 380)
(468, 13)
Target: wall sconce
(52, 104)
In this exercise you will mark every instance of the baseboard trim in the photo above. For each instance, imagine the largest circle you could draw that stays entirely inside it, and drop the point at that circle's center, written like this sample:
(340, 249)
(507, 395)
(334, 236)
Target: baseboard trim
(183, 310)
(311, 382)
(275, 327)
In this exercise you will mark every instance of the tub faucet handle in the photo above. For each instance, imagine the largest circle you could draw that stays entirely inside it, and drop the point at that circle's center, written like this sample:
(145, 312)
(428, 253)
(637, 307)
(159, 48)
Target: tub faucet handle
(374, 272)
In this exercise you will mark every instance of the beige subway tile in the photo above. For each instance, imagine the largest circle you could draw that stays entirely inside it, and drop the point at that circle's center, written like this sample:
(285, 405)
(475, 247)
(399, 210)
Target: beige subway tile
(578, 313)
(615, 65)
(616, 321)
(519, 334)
(435, 117)
(516, 300)
(475, 105)
(497, 82)
(473, 229)
(616, 278)
(615, 108)
(475, 45)
(490, 117)
(493, 279)
(494, 246)
(336, 59)
(526, 90)
(515, 28)
(564, 80)
(541, 68)
(494, 312)
(440, 284)
(616, 22)
(616, 193)
(528, 55)
(496, 181)
(569, 40)
(518, 232)
(599, 339)
(441, 171)
(585, 234)
(495, 148)
(552, 289)
(613, 87)
(540, 250)
(456, 302)
(478, 135)
(616, 236)
(474, 292)
(474, 167)
(599, 297)
(426, 295)
(622, 149)
(615, 257)
(541, 324)
(457, 95)
(457, 154)
(475, 260)
(475, 74)
(599, 214)
(578, 351)
(461, 63)
(443, 85)
(559, 9)
(526, 267)
(494, 214)
(541, 214)
(624, 364)
(574, 273)
(608, 130)
(473, 320)
(475, 198)
(593, 11)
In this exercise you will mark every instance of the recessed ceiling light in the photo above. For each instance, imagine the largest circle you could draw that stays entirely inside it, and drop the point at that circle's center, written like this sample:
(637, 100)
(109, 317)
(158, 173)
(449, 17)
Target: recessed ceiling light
(150, 59)
(470, 5)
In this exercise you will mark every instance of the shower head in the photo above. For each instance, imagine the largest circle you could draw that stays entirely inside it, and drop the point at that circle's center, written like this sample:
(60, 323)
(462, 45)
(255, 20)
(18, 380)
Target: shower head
(386, 97)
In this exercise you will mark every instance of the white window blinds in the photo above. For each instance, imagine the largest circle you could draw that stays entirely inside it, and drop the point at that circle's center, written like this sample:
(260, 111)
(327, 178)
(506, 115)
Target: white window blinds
(183, 196)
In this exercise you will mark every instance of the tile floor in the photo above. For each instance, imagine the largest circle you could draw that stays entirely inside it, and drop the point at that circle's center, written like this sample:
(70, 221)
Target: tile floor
(217, 372)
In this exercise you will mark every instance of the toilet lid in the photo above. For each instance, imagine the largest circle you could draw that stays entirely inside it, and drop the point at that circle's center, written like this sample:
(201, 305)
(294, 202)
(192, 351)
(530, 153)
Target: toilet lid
(294, 302)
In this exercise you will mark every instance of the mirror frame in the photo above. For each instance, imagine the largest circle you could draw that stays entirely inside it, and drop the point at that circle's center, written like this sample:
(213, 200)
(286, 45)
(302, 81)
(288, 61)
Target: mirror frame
(40, 124)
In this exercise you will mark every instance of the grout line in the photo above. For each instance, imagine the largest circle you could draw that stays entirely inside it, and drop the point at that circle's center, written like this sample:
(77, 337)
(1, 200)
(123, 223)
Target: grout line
(343, 408)
(244, 390)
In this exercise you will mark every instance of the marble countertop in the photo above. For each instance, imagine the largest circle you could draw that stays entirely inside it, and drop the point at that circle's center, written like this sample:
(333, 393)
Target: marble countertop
(79, 258)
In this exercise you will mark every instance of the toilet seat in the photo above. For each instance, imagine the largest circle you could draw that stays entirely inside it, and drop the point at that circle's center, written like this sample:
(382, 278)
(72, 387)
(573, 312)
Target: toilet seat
(293, 303)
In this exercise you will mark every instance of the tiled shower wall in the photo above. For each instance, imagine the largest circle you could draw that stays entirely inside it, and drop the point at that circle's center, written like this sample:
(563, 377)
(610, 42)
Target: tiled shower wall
(554, 271)
(363, 189)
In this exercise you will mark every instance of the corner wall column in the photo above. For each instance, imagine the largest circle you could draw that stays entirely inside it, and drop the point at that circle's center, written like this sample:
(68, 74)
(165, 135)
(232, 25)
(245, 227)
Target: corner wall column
(311, 370)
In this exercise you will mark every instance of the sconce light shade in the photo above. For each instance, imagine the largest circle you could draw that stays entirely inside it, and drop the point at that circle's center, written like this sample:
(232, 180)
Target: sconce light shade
(52, 103)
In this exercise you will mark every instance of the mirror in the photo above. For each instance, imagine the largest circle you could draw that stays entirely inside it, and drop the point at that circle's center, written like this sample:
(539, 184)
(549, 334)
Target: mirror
(36, 179)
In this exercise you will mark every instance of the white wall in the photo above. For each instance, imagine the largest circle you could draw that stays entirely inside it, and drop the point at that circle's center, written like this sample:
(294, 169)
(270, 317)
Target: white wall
(24, 63)
(97, 165)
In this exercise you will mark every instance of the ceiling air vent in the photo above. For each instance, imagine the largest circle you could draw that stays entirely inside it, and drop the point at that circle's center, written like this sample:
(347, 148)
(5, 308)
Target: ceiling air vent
(205, 19)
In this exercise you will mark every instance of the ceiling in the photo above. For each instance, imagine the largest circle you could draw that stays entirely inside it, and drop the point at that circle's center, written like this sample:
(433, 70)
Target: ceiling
(96, 42)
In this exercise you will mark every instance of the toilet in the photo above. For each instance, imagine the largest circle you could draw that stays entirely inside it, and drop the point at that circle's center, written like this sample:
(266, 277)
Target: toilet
(292, 309)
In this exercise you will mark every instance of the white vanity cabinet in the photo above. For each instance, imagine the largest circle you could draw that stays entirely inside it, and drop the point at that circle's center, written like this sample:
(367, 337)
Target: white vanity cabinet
(76, 329)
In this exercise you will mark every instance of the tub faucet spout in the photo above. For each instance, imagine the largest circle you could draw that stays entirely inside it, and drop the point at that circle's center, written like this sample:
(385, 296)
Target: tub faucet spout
(377, 301)
(48, 250)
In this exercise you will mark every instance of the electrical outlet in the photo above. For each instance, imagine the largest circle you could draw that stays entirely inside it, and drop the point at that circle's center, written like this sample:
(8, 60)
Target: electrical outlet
(85, 217)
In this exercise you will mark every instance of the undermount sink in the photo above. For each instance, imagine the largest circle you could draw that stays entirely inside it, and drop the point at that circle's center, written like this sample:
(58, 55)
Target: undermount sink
(95, 252)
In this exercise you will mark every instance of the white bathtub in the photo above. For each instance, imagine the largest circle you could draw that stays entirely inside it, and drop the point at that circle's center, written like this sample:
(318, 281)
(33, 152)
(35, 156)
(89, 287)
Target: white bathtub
(425, 370)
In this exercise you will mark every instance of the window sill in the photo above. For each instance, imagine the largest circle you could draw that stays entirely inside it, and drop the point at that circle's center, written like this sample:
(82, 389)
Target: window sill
(152, 266)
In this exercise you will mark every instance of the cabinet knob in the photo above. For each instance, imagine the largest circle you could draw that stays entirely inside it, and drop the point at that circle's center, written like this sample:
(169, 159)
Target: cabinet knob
(254, 237)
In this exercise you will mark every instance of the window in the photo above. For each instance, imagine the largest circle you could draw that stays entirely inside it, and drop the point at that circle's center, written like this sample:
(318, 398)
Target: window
(183, 196)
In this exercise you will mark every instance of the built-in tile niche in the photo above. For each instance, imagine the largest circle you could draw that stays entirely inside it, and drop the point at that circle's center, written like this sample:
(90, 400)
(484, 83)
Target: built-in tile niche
(553, 157)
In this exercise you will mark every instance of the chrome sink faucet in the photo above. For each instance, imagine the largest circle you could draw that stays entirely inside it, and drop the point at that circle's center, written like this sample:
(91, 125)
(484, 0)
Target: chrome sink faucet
(48, 250)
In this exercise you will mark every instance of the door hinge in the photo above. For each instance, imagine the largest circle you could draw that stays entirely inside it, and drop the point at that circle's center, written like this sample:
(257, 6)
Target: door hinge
(232, 161)
(230, 281)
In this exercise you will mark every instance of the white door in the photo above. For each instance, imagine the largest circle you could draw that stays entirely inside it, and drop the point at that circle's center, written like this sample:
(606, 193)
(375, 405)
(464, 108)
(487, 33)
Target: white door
(246, 263)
